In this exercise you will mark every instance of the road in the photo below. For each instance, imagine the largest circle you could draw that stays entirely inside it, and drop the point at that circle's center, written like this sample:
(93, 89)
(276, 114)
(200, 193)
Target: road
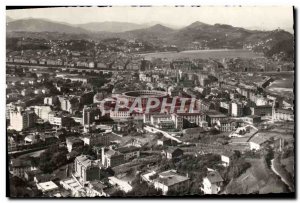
(167, 135)
(281, 177)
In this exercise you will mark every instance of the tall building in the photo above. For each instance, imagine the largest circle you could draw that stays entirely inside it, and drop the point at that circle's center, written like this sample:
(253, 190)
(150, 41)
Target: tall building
(13, 105)
(237, 109)
(50, 100)
(96, 139)
(88, 115)
(111, 158)
(86, 168)
(42, 112)
(65, 104)
(20, 120)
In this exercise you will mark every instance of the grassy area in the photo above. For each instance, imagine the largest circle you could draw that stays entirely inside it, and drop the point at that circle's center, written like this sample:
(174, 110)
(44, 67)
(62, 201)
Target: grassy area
(257, 179)
(283, 172)
(288, 164)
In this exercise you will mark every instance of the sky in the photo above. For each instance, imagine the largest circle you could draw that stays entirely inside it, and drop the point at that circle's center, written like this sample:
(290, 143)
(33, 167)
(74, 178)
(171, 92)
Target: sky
(260, 17)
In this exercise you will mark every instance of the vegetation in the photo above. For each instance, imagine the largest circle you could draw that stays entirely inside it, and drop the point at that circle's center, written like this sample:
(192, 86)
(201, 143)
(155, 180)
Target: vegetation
(52, 159)
(19, 188)
(269, 156)
(17, 44)
(141, 189)
(237, 168)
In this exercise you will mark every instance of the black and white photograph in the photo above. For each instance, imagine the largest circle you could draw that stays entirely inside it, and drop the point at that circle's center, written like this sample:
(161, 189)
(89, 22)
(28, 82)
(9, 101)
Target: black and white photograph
(150, 102)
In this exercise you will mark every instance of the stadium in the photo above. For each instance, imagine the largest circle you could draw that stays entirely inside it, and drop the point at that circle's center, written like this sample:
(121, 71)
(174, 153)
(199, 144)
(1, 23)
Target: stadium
(144, 95)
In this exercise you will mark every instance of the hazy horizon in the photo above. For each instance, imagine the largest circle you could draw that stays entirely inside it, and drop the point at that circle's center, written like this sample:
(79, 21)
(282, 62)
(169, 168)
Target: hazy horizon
(261, 17)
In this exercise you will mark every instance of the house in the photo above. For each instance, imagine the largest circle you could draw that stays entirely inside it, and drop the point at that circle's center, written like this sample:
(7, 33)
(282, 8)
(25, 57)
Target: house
(136, 142)
(29, 175)
(284, 114)
(227, 125)
(148, 176)
(203, 124)
(244, 131)
(130, 152)
(252, 119)
(171, 181)
(164, 141)
(72, 184)
(172, 153)
(40, 178)
(73, 143)
(32, 138)
(48, 138)
(213, 117)
(121, 184)
(19, 167)
(96, 188)
(264, 110)
(257, 142)
(93, 139)
(226, 158)
(212, 183)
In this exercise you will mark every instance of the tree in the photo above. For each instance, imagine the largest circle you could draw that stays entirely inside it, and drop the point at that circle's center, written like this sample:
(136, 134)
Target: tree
(236, 155)
(118, 193)
(238, 168)
(142, 189)
(87, 150)
(52, 159)
(176, 193)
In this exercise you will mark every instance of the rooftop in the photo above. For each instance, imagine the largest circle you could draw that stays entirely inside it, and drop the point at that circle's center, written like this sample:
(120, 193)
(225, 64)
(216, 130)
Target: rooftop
(97, 185)
(86, 160)
(47, 186)
(128, 149)
(258, 139)
(169, 178)
(214, 177)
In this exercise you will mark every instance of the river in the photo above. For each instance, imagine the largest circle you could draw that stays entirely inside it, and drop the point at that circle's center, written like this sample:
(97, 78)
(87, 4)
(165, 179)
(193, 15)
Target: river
(204, 54)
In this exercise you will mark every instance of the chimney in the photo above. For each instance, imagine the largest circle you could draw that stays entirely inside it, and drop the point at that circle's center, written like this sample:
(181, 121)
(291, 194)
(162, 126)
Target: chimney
(102, 156)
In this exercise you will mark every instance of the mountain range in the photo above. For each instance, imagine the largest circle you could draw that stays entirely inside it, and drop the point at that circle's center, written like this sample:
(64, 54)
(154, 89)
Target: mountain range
(213, 36)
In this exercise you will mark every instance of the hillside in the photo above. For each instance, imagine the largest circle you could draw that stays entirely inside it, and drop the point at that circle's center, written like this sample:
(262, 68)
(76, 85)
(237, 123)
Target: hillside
(153, 34)
(41, 25)
(197, 35)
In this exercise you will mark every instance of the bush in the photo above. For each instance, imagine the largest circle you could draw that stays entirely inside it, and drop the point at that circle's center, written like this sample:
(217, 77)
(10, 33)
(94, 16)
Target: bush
(238, 168)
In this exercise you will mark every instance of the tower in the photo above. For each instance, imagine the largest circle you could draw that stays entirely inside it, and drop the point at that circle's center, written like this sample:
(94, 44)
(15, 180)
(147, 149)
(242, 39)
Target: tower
(273, 111)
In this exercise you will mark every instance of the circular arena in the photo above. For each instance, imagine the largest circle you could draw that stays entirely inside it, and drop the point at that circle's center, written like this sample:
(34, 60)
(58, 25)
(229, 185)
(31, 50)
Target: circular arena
(145, 94)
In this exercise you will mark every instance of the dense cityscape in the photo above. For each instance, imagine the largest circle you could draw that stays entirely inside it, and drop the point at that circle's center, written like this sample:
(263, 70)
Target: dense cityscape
(129, 114)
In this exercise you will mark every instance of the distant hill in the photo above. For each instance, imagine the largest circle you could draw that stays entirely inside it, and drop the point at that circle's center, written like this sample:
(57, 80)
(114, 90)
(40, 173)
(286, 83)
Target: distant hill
(9, 19)
(152, 34)
(41, 25)
(110, 26)
(214, 36)
(211, 36)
